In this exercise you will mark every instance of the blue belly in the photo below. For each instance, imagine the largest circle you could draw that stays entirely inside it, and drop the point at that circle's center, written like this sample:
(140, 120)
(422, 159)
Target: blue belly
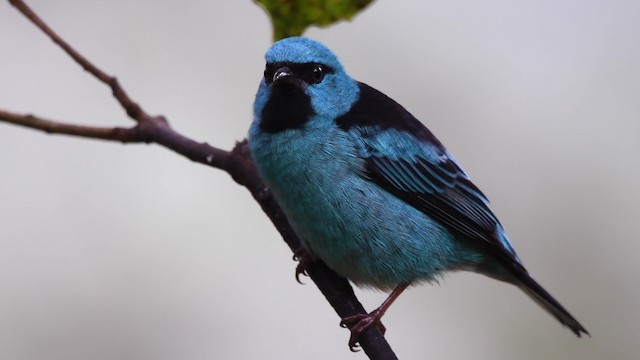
(358, 229)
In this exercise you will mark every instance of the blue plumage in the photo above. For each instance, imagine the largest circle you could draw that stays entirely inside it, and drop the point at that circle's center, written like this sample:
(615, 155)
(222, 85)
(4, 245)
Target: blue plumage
(369, 189)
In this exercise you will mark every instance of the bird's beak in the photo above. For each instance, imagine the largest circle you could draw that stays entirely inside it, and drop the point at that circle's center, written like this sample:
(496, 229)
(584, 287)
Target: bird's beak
(285, 75)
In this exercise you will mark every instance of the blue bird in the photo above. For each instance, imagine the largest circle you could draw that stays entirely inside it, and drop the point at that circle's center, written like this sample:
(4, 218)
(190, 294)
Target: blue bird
(371, 191)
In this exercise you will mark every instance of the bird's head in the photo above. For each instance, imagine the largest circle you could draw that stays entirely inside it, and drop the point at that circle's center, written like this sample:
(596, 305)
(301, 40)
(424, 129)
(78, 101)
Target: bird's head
(304, 84)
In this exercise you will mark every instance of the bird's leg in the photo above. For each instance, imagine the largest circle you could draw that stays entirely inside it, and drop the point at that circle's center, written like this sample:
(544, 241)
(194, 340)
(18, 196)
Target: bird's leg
(304, 259)
(361, 322)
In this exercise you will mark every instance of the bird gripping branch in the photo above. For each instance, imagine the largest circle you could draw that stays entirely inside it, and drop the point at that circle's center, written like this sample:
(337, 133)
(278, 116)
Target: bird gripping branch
(369, 189)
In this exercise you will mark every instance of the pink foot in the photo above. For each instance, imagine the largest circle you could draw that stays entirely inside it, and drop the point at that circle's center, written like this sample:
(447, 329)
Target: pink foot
(359, 323)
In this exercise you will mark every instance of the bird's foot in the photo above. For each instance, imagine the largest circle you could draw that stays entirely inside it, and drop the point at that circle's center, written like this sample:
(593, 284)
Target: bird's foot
(304, 259)
(360, 323)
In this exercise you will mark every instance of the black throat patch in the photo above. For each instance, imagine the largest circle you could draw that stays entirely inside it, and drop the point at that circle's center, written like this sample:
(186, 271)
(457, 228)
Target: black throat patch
(288, 107)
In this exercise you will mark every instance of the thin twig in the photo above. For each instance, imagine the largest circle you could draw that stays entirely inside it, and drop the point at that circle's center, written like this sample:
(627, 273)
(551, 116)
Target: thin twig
(124, 135)
(133, 109)
(238, 163)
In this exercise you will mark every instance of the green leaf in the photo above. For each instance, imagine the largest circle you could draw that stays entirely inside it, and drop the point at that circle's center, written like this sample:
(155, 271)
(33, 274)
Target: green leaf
(292, 17)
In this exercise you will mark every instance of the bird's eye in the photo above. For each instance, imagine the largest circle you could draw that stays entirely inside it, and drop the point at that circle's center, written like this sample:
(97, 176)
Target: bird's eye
(317, 74)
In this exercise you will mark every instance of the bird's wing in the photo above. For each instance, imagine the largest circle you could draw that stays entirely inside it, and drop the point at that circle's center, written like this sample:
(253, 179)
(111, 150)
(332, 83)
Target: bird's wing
(404, 158)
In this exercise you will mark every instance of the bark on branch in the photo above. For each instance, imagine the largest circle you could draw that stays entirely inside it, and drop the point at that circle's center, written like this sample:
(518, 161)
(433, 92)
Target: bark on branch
(238, 163)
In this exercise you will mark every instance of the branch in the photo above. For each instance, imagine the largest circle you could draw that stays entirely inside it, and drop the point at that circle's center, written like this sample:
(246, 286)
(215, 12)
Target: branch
(124, 135)
(133, 110)
(238, 163)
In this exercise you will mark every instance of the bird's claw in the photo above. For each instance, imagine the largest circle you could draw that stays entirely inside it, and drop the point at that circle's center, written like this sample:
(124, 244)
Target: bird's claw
(358, 324)
(304, 259)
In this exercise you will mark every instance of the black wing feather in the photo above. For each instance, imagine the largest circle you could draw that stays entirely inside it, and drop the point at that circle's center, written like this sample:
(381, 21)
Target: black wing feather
(432, 182)
(438, 188)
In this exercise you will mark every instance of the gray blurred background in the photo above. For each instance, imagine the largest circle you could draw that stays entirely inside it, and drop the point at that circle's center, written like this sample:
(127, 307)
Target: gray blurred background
(112, 251)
